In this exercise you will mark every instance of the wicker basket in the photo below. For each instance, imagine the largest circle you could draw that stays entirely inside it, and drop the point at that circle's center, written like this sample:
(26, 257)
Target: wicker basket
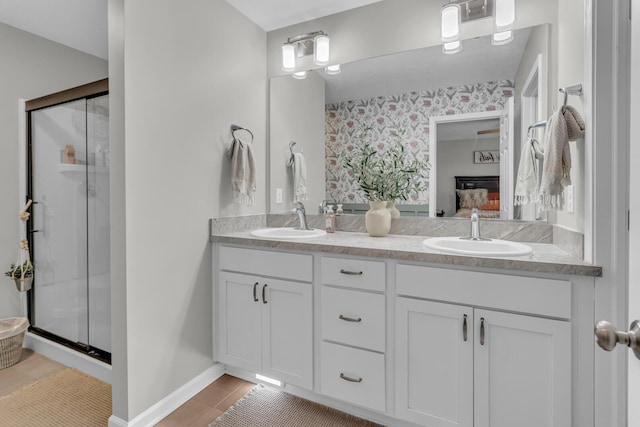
(12, 332)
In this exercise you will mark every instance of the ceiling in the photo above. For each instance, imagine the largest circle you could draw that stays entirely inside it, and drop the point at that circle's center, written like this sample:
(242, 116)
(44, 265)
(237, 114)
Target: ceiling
(80, 24)
(273, 14)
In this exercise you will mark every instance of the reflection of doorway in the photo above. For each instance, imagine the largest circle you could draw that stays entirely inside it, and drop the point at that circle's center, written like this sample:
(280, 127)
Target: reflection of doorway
(455, 141)
(532, 102)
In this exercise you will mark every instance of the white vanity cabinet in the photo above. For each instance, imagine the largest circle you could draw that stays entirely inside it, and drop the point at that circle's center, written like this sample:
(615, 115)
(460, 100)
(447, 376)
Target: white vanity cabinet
(265, 313)
(460, 365)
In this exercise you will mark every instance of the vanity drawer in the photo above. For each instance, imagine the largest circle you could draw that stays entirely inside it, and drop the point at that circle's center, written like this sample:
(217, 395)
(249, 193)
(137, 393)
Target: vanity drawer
(267, 263)
(545, 297)
(354, 273)
(352, 375)
(354, 318)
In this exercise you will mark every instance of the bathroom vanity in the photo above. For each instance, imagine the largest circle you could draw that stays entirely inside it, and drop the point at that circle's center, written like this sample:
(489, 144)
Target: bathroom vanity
(389, 330)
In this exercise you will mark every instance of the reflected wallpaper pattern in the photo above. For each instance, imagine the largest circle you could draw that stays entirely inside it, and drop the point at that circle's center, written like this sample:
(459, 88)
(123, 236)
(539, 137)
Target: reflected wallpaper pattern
(409, 112)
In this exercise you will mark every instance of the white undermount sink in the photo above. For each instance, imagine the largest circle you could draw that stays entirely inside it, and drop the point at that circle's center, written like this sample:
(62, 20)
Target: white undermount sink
(288, 233)
(493, 247)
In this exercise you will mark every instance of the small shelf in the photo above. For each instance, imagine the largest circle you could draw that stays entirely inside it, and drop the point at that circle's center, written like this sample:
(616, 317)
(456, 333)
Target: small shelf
(67, 168)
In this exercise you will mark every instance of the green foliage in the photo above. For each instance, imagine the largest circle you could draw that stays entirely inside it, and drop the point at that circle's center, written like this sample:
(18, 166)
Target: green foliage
(27, 267)
(390, 175)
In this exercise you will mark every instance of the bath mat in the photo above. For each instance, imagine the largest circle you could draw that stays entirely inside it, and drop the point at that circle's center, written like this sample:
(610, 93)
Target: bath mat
(68, 398)
(268, 407)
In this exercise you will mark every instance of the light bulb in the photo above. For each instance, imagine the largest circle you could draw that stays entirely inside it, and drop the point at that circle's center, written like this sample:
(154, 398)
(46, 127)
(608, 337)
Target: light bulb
(452, 47)
(321, 50)
(300, 75)
(505, 15)
(450, 22)
(332, 70)
(501, 38)
(288, 57)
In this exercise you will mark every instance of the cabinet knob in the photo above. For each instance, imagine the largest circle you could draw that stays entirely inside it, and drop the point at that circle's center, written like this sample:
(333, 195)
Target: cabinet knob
(264, 294)
(608, 337)
(482, 331)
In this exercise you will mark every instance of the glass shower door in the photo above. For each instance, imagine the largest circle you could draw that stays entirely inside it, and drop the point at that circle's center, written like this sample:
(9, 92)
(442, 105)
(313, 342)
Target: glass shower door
(70, 221)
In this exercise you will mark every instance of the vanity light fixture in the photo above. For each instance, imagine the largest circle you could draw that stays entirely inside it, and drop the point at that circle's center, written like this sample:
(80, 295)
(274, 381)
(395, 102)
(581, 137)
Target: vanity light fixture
(316, 43)
(457, 12)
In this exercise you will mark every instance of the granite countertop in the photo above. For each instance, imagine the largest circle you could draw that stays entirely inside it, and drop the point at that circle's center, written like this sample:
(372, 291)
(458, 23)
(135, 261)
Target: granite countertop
(546, 258)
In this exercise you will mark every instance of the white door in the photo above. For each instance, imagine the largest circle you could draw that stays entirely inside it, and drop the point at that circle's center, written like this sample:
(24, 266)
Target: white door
(634, 233)
(506, 161)
(287, 331)
(522, 371)
(239, 321)
(434, 384)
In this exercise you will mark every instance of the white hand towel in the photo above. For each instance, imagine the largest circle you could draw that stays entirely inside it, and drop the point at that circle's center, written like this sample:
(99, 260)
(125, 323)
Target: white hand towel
(527, 190)
(299, 166)
(243, 172)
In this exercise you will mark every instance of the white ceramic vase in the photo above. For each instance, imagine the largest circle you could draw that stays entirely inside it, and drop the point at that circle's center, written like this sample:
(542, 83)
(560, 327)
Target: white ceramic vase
(391, 207)
(377, 220)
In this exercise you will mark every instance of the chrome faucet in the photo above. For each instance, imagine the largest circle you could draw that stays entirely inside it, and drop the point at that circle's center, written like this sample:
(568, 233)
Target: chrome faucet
(302, 217)
(475, 226)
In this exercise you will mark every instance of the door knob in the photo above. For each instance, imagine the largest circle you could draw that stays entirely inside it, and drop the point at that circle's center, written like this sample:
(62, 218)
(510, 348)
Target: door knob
(608, 337)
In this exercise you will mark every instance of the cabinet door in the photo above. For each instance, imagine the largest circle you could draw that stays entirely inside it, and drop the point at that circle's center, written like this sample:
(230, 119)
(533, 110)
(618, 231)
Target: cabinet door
(239, 317)
(522, 371)
(287, 331)
(434, 367)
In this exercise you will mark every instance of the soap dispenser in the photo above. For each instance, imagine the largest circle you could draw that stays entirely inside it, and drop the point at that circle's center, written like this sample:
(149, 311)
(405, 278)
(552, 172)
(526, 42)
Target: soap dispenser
(330, 220)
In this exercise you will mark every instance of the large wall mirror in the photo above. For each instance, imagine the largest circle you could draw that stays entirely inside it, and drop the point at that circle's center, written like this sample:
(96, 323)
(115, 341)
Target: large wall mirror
(465, 113)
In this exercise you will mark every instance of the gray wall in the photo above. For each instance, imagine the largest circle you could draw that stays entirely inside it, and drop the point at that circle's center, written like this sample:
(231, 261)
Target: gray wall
(297, 114)
(183, 72)
(31, 67)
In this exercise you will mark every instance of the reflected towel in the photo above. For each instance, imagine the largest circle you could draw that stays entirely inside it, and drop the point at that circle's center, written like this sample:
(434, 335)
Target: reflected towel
(243, 172)
(527, 190)
(299, 166)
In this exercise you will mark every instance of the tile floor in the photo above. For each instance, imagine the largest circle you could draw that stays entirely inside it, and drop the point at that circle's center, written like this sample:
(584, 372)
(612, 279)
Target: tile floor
(199, 411)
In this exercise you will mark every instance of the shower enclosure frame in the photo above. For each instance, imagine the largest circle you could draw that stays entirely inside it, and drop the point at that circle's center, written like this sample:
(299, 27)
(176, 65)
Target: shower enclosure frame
(87, 91)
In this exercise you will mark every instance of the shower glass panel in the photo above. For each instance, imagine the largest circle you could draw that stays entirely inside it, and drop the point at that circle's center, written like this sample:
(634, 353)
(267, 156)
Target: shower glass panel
(69, 167)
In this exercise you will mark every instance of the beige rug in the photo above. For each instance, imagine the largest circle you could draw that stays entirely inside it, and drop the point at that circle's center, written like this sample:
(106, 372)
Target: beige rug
(68, 398)
(268, 407)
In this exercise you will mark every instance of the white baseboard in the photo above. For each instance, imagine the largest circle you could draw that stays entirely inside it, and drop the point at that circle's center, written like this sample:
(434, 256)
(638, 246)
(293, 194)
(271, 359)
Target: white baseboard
(68, 357)
(173, 401)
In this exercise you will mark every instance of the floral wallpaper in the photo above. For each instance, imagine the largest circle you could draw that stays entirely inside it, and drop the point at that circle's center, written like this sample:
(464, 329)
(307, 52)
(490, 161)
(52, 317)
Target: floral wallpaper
(409, 112)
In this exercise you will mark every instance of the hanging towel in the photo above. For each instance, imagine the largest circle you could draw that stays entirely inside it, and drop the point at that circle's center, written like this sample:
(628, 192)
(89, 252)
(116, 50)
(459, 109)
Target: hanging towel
(527, 181)
(243, 172)
(299, 166)
(564, 125)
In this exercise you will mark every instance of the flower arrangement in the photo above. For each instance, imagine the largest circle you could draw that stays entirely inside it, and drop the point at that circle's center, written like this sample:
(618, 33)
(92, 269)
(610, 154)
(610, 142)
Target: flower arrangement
(390, 175)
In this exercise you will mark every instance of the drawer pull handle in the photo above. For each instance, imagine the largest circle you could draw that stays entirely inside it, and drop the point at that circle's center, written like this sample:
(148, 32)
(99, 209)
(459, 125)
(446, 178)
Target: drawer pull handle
(351, 379)
(255, 296)
(350, 319)
(264, 296)
(351, 273)
(482, 331)
(464, 328)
